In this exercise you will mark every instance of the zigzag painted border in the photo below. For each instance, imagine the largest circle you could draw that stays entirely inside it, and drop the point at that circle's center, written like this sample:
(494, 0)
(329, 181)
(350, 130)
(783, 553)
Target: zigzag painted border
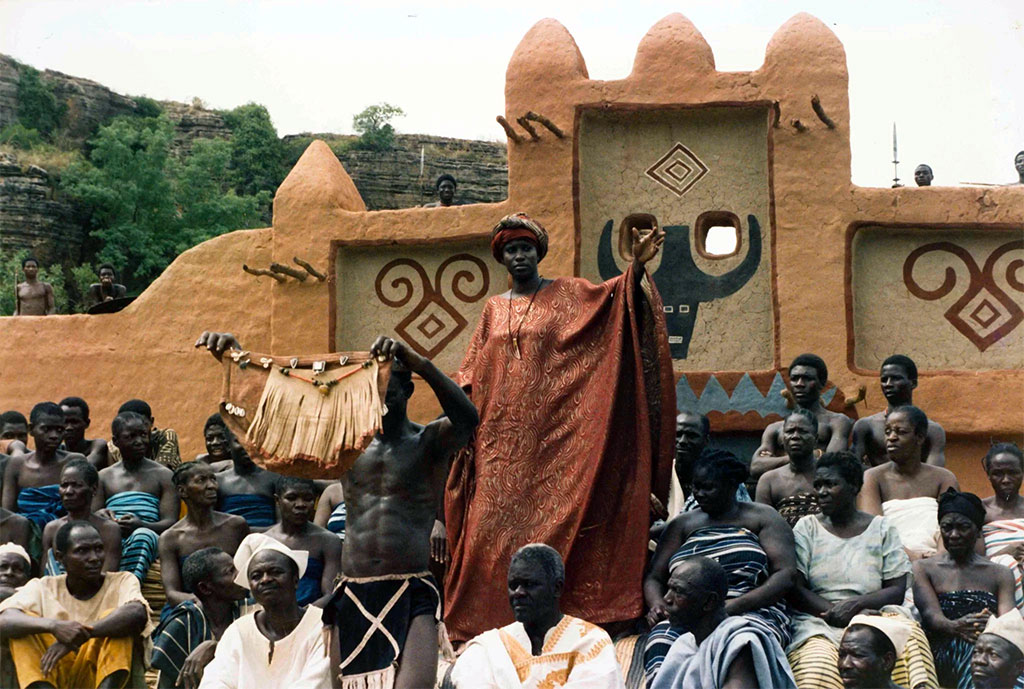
(745, 397)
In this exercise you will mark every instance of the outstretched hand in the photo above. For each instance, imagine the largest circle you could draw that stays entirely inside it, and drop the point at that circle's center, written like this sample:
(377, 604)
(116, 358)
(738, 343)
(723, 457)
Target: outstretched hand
(393, 349)
(647, 246)
(217, 343)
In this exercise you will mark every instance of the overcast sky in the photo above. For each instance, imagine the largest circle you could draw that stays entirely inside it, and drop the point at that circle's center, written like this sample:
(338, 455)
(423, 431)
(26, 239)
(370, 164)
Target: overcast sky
(949, 72)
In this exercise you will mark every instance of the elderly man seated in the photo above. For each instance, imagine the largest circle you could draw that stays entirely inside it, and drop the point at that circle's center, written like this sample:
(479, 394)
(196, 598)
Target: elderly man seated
(76, 629)
(998, 659)
(720, 651)
(15, 571)
(280, 646)
(543, 647)
(869, 649)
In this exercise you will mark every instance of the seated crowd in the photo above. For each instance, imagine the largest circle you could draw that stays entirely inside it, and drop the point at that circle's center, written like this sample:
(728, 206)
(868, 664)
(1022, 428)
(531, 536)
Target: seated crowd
(857, 563)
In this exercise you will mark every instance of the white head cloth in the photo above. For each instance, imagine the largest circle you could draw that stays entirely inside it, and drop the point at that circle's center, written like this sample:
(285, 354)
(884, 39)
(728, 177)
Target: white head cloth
(254, 543)
(897, 629)
(1009, 626)
(17, 550)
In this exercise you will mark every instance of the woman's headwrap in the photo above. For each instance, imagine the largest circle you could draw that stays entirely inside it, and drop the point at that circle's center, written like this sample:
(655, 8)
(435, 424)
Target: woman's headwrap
(518, 226)
(967, 504)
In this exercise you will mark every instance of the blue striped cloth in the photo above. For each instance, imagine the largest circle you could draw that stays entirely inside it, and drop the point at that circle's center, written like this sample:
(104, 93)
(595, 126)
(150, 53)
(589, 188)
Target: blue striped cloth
(140, 548)
(258, 510)
(41, 504)
(336, 522)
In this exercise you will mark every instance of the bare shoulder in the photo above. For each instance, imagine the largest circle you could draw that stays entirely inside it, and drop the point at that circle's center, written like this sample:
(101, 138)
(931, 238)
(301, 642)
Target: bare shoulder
(940, 473)
(875, 473)
(765, 515)
(839, 421)
(158, 469)
(232, 521)
(334, 493)
(868, 423)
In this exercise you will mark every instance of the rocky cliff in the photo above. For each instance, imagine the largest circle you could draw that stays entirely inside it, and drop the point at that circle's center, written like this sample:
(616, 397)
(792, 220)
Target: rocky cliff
(31, 217)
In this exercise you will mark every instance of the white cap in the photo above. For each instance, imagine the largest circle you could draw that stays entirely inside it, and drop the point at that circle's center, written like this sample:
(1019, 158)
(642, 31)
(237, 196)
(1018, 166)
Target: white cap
(254, 543)
(896, 628)
(17, 550)
(1009, 626)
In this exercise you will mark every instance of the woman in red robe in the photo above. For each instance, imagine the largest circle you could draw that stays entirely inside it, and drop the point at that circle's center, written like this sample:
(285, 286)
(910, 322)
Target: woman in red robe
(574, 386)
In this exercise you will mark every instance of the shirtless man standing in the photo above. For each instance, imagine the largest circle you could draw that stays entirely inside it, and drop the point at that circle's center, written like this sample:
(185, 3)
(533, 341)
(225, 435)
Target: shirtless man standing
(31, 481)
(76, 418)
(898, 378)
(807, 376)
(33, 298)
(905, 489)
(196, 485)
(391, 496)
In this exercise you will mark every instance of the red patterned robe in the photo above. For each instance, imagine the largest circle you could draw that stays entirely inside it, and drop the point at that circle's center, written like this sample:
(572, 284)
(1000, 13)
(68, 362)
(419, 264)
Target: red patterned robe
(573, 439)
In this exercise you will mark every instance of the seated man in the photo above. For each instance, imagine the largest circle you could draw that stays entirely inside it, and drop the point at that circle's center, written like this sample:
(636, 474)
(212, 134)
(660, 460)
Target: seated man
(998, 659)
(15, 569)
(898, 378)
(296, 500)
(77, 629)
(76, 420)
(247, 490)
(185, 641)
(869, 649)
(905, 489)
(808, 375)
(721, 651)
(218, 447)
(79, 481)
(282, 645)
(106, 289)
(137, 493)
(163, 442)
(790, 489)
(543, 643)
(201, 527)
(30, 480)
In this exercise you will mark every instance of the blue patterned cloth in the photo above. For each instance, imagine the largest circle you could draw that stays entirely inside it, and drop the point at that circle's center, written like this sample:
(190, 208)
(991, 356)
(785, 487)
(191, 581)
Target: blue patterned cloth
(336, 522)
(140, 548)
(41, 504)
(739, 552)
(953, 654)
(257, 510)
(308, 589)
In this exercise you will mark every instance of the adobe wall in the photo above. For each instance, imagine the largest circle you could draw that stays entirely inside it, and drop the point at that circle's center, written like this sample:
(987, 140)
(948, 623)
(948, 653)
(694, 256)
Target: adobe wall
(808, 289)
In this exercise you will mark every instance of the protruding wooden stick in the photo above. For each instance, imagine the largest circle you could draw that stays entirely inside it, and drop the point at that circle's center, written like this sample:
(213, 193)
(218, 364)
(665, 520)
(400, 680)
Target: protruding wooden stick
(509, 132)
(820, 112)
(299, 275)
(525, 124)
(776, 114)
(798, 125)
(555, 129)
(309, 269)
(261, 271)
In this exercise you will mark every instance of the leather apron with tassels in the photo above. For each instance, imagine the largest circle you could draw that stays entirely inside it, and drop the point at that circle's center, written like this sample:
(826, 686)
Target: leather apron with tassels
(309, 416)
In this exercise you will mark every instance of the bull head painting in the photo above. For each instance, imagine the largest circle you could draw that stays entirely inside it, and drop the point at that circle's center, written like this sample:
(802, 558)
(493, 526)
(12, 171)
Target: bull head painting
(683, 286)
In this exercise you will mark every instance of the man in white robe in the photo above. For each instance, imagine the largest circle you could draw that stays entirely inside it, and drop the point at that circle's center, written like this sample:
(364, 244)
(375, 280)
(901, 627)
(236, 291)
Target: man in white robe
(281, 646)
(543, 647)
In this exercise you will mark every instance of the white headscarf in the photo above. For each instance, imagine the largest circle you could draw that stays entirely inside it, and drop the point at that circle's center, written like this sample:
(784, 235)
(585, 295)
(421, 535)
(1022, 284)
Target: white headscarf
(17, 550)
(254, 543)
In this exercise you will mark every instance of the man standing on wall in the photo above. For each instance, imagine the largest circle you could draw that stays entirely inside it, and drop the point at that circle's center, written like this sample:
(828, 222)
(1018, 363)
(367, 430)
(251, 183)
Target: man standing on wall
(33, 298)
(445, 187)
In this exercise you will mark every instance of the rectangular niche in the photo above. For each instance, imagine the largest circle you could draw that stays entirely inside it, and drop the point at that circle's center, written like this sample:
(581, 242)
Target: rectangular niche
(687, 171)
(950, 298)
(427, 293)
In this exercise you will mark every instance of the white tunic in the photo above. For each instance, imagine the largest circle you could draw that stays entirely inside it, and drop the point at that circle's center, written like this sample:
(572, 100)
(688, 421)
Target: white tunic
(243, 659)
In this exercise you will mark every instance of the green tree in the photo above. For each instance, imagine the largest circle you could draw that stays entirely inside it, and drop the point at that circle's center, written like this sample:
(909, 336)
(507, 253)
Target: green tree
(127, 192)
(37, 105)
(257, 155)
(18, 135)
(374, 127)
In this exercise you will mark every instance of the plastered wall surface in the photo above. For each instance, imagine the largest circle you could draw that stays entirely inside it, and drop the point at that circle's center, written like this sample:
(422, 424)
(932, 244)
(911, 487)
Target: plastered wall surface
(146, 350)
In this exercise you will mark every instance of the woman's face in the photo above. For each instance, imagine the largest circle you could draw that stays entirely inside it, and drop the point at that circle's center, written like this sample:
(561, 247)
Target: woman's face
(520, 259)
(835, 494)
(713, 494)
(959, 533)
(1005, 474)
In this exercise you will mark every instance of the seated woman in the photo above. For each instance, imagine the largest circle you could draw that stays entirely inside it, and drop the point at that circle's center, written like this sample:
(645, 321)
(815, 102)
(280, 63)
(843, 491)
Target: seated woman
(751, 541)
(830, 592)
(79, 480)
(1003, 531)
(295, 500)
(330, 511)
(218, 447)
(956, 591)
(246, 490)
(789, 489)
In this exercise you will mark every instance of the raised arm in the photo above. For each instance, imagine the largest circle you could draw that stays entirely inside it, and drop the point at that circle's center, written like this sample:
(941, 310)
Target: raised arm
(777, 540)
(767, 456)
(460, 419)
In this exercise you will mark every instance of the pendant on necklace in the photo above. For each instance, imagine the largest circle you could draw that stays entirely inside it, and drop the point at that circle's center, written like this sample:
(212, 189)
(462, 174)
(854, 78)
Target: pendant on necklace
(515, 348)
